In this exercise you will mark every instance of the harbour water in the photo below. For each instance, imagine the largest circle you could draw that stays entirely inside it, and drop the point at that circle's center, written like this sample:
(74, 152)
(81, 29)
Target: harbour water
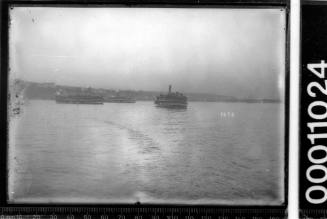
(217, 153)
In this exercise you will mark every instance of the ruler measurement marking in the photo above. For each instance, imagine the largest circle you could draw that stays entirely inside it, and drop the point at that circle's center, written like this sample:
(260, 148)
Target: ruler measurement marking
(147, 213)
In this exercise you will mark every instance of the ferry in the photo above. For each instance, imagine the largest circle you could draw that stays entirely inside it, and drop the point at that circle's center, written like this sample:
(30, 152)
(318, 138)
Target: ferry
(171, 100)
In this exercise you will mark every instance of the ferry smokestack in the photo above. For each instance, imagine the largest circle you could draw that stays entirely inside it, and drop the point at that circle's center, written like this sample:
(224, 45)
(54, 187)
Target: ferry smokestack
(169, 88)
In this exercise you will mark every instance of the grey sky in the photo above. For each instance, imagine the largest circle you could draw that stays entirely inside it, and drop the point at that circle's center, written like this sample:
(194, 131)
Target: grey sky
(238, 52)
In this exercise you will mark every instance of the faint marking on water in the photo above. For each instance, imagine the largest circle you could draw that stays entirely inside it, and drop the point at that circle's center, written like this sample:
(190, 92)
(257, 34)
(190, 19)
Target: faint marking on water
(148, 144)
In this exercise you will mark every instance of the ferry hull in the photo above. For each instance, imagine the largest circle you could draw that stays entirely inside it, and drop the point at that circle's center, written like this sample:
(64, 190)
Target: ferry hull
(171, 105)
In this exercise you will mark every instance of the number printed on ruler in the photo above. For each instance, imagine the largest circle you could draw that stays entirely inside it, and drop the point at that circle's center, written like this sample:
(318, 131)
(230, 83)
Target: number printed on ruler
(317, 111)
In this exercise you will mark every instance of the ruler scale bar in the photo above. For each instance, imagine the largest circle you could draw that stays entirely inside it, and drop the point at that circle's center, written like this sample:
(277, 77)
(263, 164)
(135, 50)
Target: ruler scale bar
(141, 213)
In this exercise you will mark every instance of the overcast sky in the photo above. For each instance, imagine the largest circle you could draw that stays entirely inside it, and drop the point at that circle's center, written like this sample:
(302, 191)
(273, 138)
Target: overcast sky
(238, 52)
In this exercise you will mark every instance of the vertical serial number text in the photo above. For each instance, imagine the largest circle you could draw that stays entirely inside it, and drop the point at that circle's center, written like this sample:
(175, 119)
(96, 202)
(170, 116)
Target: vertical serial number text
(317, 153)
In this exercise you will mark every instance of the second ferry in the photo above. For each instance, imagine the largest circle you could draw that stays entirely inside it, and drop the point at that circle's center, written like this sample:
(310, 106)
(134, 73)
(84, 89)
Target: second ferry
(78, 98)
(171, 100)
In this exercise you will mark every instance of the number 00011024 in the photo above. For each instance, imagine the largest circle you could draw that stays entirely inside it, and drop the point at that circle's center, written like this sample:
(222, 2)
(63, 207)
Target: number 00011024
(317, 110)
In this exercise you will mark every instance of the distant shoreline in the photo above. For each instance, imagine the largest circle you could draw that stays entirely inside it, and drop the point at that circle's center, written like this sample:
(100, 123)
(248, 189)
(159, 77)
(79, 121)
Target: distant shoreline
(47, 91)
(191, 101)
